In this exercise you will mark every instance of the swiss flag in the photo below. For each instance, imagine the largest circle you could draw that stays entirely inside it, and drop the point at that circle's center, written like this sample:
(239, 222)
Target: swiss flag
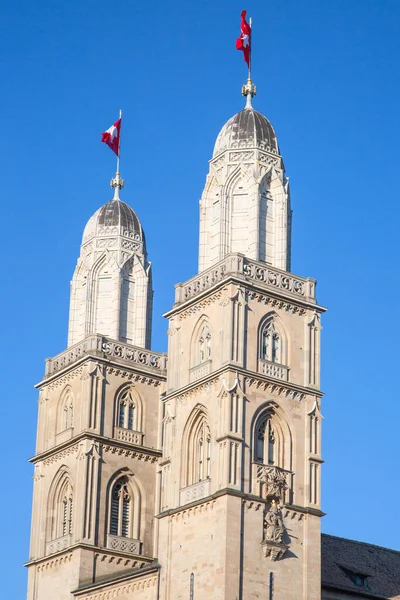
(111, 137)
(244, 41)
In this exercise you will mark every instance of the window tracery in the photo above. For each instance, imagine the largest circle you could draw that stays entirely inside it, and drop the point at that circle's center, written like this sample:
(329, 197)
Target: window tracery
(204, 345)
(198, 451)
(271, 343)
(127, 411)
(121, 509)
(265, 441)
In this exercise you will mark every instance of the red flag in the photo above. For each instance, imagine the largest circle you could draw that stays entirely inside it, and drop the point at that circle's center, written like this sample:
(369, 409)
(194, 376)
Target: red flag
(111, 137)
(244, 41)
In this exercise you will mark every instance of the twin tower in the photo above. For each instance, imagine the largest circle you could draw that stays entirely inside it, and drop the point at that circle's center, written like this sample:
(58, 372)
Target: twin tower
(193, 475)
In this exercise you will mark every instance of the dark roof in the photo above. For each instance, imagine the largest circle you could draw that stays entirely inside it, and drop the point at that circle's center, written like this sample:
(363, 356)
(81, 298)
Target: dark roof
(343, 559)
(248, 128)
(117, 213)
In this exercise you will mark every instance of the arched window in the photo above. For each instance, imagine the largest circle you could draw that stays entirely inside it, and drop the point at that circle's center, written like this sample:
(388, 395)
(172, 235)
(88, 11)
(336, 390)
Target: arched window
(204, 346)
(127, 411)
(121, 509)
(66, 411)
(271, 343)
(198, 451)
(67, 501)
(265, 441)
(60, 508)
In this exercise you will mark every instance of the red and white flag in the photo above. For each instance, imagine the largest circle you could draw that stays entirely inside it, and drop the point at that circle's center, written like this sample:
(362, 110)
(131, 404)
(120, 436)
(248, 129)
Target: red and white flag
(111, 136)
(244, 41)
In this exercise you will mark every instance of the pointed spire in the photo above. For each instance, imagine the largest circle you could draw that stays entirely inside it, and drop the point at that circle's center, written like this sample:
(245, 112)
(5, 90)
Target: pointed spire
(249, 90)
(117, 183)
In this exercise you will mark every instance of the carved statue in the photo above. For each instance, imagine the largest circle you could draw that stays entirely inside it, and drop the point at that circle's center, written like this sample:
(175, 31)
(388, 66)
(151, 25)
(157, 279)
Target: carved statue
(273, 523)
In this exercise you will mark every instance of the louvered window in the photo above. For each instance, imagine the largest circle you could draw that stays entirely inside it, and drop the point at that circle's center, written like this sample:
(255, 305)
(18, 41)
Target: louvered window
(120, 521)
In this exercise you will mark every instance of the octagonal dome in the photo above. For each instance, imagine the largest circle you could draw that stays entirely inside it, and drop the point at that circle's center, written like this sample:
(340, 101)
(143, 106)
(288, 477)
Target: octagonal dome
(247, 129)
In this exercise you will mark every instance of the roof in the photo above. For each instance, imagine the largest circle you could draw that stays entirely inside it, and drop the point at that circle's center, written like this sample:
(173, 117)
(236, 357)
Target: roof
(343, 560)
(114, 218)
(247, 129)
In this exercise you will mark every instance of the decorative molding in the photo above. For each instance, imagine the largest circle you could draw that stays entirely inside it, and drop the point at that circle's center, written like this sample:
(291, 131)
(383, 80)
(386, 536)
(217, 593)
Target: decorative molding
(55, 563)
(133, 376)
(275, 303)
(129, 453)
(60, 455)
(276, 388)
(123, 589)
(64, 379)
(191, 511)
(194, 391)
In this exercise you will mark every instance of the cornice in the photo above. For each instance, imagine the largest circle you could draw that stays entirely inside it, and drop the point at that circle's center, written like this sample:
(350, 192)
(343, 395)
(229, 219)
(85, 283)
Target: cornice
(250, 499)
(132, 372)
(106, 444)
(250, 378)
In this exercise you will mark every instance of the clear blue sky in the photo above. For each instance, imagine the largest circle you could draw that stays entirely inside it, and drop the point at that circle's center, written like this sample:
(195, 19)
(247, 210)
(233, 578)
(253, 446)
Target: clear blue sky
(327, 78)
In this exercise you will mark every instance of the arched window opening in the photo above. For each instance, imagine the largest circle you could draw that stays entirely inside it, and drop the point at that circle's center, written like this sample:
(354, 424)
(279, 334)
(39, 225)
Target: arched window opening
(66, 418)
(121, 509)
(127, 411)
(199, 451)
(271, 343)
(265, 441)
(64, 510)
(204, 350)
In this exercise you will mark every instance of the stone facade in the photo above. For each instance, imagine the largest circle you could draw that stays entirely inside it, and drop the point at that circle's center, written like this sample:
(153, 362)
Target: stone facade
(200, 478)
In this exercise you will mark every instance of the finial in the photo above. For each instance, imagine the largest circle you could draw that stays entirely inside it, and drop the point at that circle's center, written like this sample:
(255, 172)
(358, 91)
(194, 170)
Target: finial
(249, 90)
(117, 183)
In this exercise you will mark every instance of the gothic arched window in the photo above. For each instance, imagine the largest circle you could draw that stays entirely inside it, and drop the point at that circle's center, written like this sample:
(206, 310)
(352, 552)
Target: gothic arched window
(271, 343)
(121, 509)
(66, 509)
(198, 451)
(204, 346)
(127, 411)
(265, 451)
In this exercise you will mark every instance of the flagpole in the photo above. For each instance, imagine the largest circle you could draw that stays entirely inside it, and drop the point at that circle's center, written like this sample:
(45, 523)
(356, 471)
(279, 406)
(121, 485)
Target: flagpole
(250, 42)
(119, 142)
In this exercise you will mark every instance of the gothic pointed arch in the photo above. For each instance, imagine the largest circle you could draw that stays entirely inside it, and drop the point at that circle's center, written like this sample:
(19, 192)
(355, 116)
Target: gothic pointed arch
(272, 340)
(201, 342)
(196, 448)
(125, 500)
(65, 410)
(60, 506)
(128, 408)
(272, 437)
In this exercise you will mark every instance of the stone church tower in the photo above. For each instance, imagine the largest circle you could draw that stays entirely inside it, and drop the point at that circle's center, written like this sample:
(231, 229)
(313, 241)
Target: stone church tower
(200, 479)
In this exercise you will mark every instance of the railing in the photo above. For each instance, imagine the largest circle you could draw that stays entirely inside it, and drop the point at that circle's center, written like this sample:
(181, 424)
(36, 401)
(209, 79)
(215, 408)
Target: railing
(236, 264)
(123, 544)
(127, 435)
(193, 492)
(58, 544)
(200, 371)
(102, 346)
(266, 367)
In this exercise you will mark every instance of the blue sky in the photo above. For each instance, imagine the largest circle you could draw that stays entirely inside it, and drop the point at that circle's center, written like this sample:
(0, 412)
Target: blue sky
(327, 78)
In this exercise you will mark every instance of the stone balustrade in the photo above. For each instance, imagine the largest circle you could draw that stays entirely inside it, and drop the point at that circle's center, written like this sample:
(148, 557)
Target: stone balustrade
(105, 347)
(199, 371)
(194, 492)
(271, 369)
(58, 544)
(123, 544)
(237, 264)
(128, 435)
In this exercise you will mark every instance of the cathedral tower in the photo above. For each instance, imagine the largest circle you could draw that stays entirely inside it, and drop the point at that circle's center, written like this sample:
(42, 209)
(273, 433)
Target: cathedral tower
(97, 437)
(239, 513)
